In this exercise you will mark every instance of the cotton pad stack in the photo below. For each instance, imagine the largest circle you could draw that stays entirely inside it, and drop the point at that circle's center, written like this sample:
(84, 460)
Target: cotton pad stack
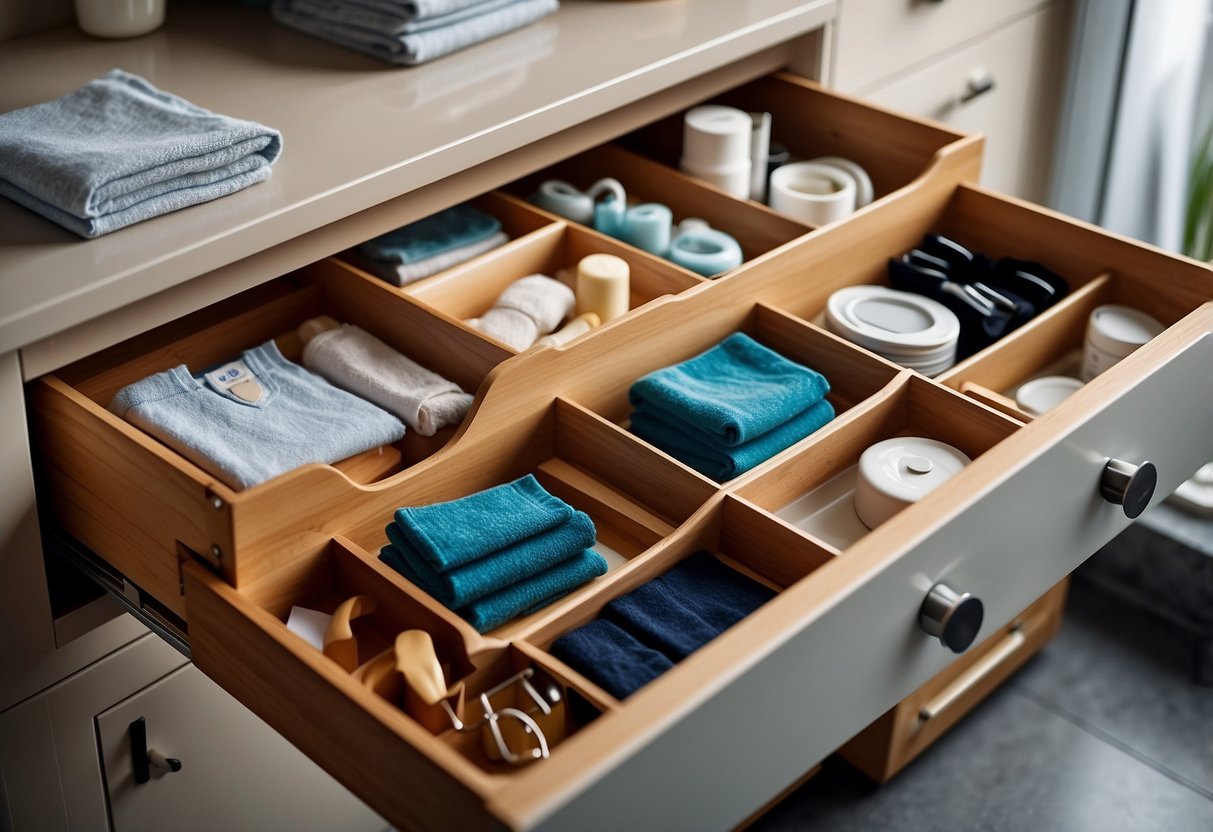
(410, 32)
(908, 329)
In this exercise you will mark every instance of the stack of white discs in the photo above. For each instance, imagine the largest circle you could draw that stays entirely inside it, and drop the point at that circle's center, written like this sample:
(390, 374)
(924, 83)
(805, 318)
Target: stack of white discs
(908, 329)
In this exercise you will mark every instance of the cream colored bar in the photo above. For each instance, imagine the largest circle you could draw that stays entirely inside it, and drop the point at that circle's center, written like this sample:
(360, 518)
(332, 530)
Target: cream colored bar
(357, 133)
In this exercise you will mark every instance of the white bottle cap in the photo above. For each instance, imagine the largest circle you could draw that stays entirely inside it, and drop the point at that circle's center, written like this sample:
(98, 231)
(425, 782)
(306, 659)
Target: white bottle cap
(898, 472)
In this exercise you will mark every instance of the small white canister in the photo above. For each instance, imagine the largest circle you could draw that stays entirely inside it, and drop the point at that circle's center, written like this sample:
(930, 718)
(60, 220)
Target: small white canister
(901, 471)
(1113, 332)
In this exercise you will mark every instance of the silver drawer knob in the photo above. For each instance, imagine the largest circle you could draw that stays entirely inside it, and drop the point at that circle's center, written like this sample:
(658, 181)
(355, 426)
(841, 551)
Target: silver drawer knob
(952, 617)
(1129, 486)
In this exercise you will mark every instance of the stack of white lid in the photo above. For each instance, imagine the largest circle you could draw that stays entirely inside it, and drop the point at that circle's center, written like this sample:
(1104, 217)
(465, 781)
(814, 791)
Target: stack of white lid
(908, 329)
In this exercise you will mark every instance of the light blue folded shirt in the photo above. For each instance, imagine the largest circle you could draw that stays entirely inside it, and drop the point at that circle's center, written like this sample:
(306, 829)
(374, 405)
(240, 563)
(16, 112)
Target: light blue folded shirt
(118, 151)
(299, 417)
(409, 48)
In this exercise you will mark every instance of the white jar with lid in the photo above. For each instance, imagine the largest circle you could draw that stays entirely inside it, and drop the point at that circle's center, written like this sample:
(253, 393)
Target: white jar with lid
(901, 471)
(1113, 332)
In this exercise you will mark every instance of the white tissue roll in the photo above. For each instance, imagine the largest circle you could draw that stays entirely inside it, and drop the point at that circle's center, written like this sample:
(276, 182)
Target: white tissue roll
(603, 286)
(814, 193)
(715, 137)
(733, 179)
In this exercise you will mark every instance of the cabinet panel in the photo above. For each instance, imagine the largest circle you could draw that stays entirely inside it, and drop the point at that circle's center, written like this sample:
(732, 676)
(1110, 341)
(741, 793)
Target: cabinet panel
(235, 773)
(877, 38)
(1024, 62)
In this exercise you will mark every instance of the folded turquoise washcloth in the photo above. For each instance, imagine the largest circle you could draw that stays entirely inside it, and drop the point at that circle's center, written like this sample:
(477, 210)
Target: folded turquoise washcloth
(460, 586)
(520, 598)
(722, 462)
(535, 593)
(118, 151)
(737, 390)
(437, 234)
(460, 531)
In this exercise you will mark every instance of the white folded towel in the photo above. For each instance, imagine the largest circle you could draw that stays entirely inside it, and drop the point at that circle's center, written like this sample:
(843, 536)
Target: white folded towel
(530, 307)
(355, 360)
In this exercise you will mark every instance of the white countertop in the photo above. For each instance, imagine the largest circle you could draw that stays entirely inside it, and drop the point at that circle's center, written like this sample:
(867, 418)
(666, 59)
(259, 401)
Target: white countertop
(356, 132)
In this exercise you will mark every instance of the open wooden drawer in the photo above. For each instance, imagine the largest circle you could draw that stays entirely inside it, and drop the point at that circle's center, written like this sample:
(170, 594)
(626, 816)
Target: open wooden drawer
(732, 725)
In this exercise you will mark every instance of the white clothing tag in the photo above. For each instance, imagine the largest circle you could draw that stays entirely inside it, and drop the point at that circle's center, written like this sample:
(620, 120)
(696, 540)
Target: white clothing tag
(236, 377)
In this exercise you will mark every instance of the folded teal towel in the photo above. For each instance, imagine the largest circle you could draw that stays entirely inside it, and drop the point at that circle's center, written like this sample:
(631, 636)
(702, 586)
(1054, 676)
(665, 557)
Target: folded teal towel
(535, 593)
(520, 598)
(118, 151)
(722, 462)
(437, 234)
(454, 533)
(460, 586)
(736, 391)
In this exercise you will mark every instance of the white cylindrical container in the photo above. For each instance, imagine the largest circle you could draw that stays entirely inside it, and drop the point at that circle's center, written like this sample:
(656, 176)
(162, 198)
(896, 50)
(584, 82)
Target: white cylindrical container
(716, 143)
(1114, 331)
(813, 193)
(1040, 395)
(602, 286)
(119, 18)
(901, 471)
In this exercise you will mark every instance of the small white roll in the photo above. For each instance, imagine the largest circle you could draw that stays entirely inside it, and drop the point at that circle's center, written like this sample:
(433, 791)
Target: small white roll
(813, 193)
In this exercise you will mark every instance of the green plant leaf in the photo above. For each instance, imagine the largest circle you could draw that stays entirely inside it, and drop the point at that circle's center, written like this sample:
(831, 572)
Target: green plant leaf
(1198, 223)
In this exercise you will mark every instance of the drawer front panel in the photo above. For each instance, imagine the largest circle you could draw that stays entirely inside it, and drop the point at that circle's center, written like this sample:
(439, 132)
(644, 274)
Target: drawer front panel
(877, 38)
(845, 643)
(1017, 114)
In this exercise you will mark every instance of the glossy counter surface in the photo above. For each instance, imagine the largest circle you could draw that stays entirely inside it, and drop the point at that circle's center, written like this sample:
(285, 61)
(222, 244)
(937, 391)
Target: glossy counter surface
(356, 132)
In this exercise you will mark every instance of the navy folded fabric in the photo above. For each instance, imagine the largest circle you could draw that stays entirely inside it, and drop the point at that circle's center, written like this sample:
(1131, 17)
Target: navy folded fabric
(610, 657)
(462, 585)
(736, 391)
(721, 462)
(689, 605)
(118, 151)
(645, 632)
(460, 531)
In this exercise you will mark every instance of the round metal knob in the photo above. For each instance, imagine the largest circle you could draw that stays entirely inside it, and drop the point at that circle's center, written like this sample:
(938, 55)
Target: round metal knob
(952, 617)
(1129, 486)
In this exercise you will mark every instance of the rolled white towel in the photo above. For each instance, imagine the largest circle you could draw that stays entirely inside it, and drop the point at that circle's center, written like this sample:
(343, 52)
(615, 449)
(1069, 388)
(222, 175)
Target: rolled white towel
(529, 307)
(354, 360)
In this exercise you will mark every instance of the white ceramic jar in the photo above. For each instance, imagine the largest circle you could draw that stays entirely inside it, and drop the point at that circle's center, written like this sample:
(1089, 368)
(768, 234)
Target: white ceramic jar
(119, 18)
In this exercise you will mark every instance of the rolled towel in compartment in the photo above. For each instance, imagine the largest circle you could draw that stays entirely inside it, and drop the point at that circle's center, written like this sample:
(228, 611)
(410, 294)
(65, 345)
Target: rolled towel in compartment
(118, 151)
(736, 391)
(530, 307)
(610, 657)
(720, 461)
(458, 587)
(355, 360)
(457, 532)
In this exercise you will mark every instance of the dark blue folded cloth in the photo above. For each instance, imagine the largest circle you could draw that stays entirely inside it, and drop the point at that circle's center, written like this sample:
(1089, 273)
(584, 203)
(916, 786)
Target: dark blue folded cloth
(647, 631)
(610, 657)
(719, 461)
(683, 609)
(460, 531)
(462, 585)
(736, 391)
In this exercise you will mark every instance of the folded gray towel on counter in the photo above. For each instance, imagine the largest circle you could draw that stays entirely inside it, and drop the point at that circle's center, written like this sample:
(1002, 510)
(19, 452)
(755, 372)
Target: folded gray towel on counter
(415, 47)
(118, 151)
(381, 19)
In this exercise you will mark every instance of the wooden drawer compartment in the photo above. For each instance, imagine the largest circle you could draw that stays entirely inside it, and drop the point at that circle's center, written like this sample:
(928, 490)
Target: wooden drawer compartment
(895, 739)
(898, 151)
(757, 228)
(470, 289)
(146, 507)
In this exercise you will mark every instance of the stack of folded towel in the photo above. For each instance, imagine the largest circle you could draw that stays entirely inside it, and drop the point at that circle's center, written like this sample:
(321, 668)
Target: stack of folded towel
(430, 245)
(410, 32)
(730, 408)
(496, 554)
(644, 633)
(118, 151)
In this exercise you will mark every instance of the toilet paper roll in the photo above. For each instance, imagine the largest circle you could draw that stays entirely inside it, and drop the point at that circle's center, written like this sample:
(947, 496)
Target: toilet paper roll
(734, 179)
(716, 137)
(864, 192)
(813, 193)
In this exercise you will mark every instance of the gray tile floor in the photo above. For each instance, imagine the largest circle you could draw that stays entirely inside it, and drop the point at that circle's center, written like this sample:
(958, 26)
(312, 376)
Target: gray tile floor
(1103, 731)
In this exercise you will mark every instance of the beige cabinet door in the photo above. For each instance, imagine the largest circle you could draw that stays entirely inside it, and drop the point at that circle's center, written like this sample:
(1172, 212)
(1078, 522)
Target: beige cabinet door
(1024, 65)
(236, 773)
